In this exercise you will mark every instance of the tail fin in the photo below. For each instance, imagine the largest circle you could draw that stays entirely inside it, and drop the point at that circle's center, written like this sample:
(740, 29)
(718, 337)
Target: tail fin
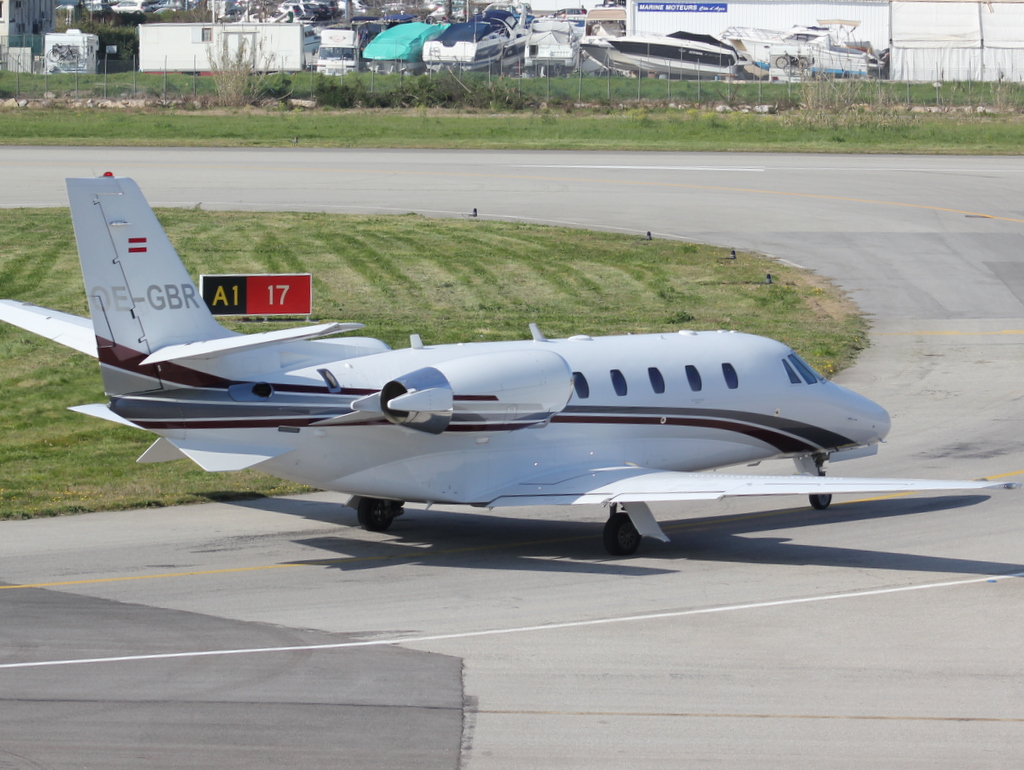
(140, 296)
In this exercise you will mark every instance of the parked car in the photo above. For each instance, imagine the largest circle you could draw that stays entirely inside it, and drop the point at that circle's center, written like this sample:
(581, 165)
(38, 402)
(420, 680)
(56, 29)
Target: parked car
(135, 6)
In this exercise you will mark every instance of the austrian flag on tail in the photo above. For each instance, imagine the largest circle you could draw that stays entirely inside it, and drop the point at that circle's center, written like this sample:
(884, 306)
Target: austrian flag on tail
(136, 245)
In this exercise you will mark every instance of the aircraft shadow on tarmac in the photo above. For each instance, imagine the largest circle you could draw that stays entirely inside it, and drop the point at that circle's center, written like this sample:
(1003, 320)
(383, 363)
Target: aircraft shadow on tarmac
(484, 540)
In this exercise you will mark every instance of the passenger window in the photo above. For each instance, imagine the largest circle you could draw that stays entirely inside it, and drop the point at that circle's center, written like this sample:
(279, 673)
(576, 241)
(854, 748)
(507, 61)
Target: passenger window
(657, 381)
(618, 382)
(579, 382)
(793, 376)
(810, 376)
(333, 386)
(694, 378)
(730, 376)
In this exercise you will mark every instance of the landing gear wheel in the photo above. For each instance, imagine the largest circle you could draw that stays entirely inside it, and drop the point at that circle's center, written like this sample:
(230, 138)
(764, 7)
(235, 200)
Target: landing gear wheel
(620, 536)
(376, 515)
(820, 502)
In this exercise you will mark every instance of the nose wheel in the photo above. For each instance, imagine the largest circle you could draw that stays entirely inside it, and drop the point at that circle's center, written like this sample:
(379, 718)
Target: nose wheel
(820, 502)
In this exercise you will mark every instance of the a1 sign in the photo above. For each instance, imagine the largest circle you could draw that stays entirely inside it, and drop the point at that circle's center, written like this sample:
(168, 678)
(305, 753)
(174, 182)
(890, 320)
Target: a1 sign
(286, 294)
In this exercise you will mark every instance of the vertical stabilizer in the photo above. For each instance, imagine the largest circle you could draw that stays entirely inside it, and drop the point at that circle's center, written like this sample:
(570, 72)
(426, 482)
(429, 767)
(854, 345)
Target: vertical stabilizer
(141, 297)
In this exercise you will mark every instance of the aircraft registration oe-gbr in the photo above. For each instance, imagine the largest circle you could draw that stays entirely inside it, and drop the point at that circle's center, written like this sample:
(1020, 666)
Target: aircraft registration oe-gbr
(617, 421)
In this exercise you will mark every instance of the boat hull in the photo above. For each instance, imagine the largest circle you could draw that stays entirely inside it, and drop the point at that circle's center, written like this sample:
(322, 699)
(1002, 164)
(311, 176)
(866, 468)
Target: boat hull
(642, 55)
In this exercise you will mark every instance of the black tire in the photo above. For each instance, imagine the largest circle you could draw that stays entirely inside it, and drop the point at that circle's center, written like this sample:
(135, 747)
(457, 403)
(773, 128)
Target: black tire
(376, 515)
(820, 502)
(620, 536)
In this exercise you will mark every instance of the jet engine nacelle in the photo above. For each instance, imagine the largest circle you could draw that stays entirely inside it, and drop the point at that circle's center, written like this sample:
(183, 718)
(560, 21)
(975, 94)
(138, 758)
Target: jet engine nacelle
(489, 391)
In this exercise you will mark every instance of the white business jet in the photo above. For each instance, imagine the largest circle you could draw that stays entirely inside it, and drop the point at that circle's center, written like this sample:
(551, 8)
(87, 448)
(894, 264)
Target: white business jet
(615, 421)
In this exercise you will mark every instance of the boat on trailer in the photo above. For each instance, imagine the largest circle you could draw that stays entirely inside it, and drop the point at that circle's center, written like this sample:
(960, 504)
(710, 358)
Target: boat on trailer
(681, 55)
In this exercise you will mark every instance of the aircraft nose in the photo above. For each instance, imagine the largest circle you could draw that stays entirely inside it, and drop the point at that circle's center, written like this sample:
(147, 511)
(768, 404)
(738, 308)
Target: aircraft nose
(872, 422)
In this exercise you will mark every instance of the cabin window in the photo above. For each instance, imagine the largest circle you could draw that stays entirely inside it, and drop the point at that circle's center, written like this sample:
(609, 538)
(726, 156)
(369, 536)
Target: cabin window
(657, 381)
(793, 376)
(207, 35)
(618, 382)
(580, 384)
(333, 386)
(693, 376)
(729, 372)
(810, 376)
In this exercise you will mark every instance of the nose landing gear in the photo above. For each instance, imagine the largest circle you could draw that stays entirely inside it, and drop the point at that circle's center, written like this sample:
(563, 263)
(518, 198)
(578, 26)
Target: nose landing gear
(804, 464)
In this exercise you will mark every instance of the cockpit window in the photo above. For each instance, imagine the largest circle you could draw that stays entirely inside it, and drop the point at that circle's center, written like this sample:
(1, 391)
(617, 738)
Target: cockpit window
(657, 381)
(793, 376)
(731, 379)
(579, 382)
(810, 376)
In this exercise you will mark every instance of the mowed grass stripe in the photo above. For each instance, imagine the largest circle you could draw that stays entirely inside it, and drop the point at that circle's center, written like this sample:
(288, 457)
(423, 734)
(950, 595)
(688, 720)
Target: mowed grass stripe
(447, 280)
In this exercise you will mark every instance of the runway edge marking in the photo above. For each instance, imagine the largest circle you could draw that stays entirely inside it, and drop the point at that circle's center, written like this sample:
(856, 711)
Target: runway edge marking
(515, 630)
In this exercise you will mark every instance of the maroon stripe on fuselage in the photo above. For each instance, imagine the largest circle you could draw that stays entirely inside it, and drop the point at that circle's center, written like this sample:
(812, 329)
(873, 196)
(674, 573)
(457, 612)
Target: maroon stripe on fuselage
(781, 441)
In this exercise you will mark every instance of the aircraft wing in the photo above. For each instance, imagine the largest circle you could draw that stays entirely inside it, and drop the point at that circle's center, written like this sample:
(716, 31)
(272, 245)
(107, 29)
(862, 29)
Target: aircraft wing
(635, 484)
(70, 330)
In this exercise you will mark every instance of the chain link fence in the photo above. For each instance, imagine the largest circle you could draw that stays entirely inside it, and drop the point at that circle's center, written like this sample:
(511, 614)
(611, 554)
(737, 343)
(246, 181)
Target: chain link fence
(27, 74)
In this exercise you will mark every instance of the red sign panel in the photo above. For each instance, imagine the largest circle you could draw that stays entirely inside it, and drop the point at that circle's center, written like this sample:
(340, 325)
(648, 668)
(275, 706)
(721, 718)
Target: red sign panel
(285, 294)
(279, 294)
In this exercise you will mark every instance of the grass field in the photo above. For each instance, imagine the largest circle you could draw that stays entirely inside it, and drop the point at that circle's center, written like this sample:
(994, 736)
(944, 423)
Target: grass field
(634, 129)
(591, 113)
(445, 280)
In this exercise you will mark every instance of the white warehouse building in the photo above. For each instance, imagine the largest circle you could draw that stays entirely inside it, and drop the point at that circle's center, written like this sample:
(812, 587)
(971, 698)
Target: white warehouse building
(928, 40)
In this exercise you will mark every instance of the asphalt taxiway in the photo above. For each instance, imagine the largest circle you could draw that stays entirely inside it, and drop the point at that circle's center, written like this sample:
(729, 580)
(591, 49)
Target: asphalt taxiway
(879, 633)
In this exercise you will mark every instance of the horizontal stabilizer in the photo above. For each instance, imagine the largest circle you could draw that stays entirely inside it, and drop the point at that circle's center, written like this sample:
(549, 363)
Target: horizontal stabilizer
(212, 456)
(226, 345)
(104, 413)
(634, 484)
(70, 330)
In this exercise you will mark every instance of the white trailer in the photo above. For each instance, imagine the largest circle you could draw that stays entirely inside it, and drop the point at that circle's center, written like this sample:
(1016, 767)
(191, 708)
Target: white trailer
(338, 53)
(202, 47)
(71, 51)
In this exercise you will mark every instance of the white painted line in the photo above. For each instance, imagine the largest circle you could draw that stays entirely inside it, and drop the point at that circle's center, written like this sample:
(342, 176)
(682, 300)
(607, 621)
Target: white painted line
(754, 169)
(515, 630)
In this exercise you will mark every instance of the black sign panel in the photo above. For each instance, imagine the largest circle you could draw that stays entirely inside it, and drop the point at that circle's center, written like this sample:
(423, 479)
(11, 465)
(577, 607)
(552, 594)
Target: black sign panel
(225, 294)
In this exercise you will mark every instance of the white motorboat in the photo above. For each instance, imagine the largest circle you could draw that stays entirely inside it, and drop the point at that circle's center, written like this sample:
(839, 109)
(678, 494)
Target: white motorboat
(552, 47)
(804, 51)
(493, 40)
(683, 55)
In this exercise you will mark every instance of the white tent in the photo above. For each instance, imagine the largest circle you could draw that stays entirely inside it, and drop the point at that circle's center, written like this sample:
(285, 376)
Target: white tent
(943, 40)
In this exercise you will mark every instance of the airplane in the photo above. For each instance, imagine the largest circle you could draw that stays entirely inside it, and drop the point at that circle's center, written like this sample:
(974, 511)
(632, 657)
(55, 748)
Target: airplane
(617, 421)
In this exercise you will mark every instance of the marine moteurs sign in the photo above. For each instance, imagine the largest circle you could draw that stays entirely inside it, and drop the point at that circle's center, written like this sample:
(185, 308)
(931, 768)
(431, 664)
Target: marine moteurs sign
(682, 7)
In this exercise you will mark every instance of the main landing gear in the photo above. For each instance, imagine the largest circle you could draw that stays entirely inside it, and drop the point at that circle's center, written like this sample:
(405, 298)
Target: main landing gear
(376, 515)
(620, 536)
